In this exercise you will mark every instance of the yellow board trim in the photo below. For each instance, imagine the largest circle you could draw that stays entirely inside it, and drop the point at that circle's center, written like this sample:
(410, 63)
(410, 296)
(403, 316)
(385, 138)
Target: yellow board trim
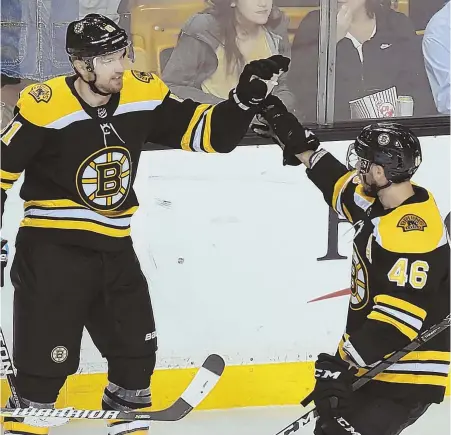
(402, 304)
(12, 176)
(240, 386)
(5, 186)
(186, 139)
(68, 224)
(409, 332)
(24, 428)
(206, 139)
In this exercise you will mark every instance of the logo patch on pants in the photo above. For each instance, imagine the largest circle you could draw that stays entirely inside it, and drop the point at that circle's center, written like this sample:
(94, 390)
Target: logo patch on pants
(59, 354)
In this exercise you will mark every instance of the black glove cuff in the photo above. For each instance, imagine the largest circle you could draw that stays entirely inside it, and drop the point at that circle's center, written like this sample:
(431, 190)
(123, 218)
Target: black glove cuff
(234, 97)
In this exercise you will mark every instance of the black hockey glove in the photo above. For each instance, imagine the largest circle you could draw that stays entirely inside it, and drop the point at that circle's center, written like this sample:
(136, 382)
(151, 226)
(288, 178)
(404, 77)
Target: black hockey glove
(5, 252)
(333, 386)
(285, 129)
(251, 92)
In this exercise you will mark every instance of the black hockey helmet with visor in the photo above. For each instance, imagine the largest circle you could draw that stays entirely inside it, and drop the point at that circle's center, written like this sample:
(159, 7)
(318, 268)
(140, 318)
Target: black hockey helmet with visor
(95, 36)
(390, 145)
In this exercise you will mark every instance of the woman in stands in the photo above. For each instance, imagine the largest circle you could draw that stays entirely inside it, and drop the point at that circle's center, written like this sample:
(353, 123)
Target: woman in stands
(377, 48)
(214, 46)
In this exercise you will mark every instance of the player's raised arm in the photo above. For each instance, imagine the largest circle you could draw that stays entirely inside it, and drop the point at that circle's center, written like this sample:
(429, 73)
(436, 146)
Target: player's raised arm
(302, 146)
(219, 128)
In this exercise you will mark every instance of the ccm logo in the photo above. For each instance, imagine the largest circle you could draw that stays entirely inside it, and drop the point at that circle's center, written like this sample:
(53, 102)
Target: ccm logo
(344, 424)
(326, 374)
(151, 336)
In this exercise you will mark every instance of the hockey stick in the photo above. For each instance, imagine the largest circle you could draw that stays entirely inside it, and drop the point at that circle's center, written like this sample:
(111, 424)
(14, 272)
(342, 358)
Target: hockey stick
(203, 383)
(7, 369)
(384, 364)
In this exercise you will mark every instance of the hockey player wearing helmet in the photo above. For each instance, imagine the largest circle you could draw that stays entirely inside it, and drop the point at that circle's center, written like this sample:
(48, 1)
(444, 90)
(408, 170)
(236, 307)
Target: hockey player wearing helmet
(78, 140)
(399, 276)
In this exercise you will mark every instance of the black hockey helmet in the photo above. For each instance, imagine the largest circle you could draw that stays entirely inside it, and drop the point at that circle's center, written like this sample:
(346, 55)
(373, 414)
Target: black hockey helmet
(390, 145)
(94, 35)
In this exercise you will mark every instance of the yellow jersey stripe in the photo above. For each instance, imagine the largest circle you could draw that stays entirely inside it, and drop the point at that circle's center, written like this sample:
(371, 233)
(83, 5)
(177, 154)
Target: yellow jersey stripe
(409, 332)
(67, 224)
(16, 427)
(12, 176)
(427, 355)
(206, 139)
(339, 188)
(67, 203)
(403, 378)
(186, 139)
(5, 186)
(402, 304)
(348, 215)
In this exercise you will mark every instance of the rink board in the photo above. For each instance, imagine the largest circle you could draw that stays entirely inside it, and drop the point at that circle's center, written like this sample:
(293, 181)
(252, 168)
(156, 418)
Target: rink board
(236, 249)
(240, 386)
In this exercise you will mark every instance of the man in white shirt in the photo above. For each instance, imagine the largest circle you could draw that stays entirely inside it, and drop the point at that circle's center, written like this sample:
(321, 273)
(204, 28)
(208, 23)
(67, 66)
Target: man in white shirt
(436, 51)
(103, 7)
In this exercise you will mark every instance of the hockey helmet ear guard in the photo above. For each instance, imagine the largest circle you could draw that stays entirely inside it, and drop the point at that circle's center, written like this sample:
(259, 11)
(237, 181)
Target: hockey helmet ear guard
(359, 157)
(390, 145)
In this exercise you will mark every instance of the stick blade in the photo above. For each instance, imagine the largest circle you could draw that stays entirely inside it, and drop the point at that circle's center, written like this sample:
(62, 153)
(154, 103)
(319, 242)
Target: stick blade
(200, 387)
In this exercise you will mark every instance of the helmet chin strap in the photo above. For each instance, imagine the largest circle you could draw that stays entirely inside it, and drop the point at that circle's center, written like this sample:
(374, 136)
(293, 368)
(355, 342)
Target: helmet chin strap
(91, 83)
(374, 189)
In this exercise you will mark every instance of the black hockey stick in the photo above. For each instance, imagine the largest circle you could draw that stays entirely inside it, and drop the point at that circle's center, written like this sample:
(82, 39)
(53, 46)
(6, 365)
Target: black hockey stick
(384, 364)
(203, 383)
(8, 370)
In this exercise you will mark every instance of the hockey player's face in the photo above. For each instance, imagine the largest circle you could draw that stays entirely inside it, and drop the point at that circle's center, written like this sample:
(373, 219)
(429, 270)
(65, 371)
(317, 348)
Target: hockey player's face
(109, 71)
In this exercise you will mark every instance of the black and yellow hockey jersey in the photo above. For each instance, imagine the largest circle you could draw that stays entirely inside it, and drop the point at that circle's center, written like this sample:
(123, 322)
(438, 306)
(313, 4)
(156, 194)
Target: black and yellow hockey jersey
(80, 162)
(399, 284)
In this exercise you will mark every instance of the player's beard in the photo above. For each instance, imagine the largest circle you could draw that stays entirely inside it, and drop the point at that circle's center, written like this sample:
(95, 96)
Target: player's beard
(113, 86)
(370, 189)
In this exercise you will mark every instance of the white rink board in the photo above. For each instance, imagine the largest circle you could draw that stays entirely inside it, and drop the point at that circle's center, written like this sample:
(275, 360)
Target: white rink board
(229, 244)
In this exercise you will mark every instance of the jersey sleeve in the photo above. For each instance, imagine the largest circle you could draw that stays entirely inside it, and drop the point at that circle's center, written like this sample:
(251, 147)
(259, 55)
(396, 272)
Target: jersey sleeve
(336, 183)
(411, 259)
(20, 141)
(191, 126)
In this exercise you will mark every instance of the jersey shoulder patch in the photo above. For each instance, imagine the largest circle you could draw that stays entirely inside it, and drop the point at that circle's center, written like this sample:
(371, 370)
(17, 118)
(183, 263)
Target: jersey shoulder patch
(44, 104)
(145, 77)
(144, 89)
(412, 222)
(41, 92)
(411, 228)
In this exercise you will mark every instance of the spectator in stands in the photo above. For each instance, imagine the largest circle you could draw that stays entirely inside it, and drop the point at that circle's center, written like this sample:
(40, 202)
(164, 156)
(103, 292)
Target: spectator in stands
(436, 50)
(377, 48)
(108, 8)
(33, 37)
(214, 46)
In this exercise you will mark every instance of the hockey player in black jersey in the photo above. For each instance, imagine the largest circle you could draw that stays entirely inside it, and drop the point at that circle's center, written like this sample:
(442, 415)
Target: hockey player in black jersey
(79, 140)
(399, 276)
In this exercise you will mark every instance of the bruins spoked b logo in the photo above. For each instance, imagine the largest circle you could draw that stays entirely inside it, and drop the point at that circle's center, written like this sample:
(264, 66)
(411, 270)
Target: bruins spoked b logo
(104, 178)
(359, 282)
